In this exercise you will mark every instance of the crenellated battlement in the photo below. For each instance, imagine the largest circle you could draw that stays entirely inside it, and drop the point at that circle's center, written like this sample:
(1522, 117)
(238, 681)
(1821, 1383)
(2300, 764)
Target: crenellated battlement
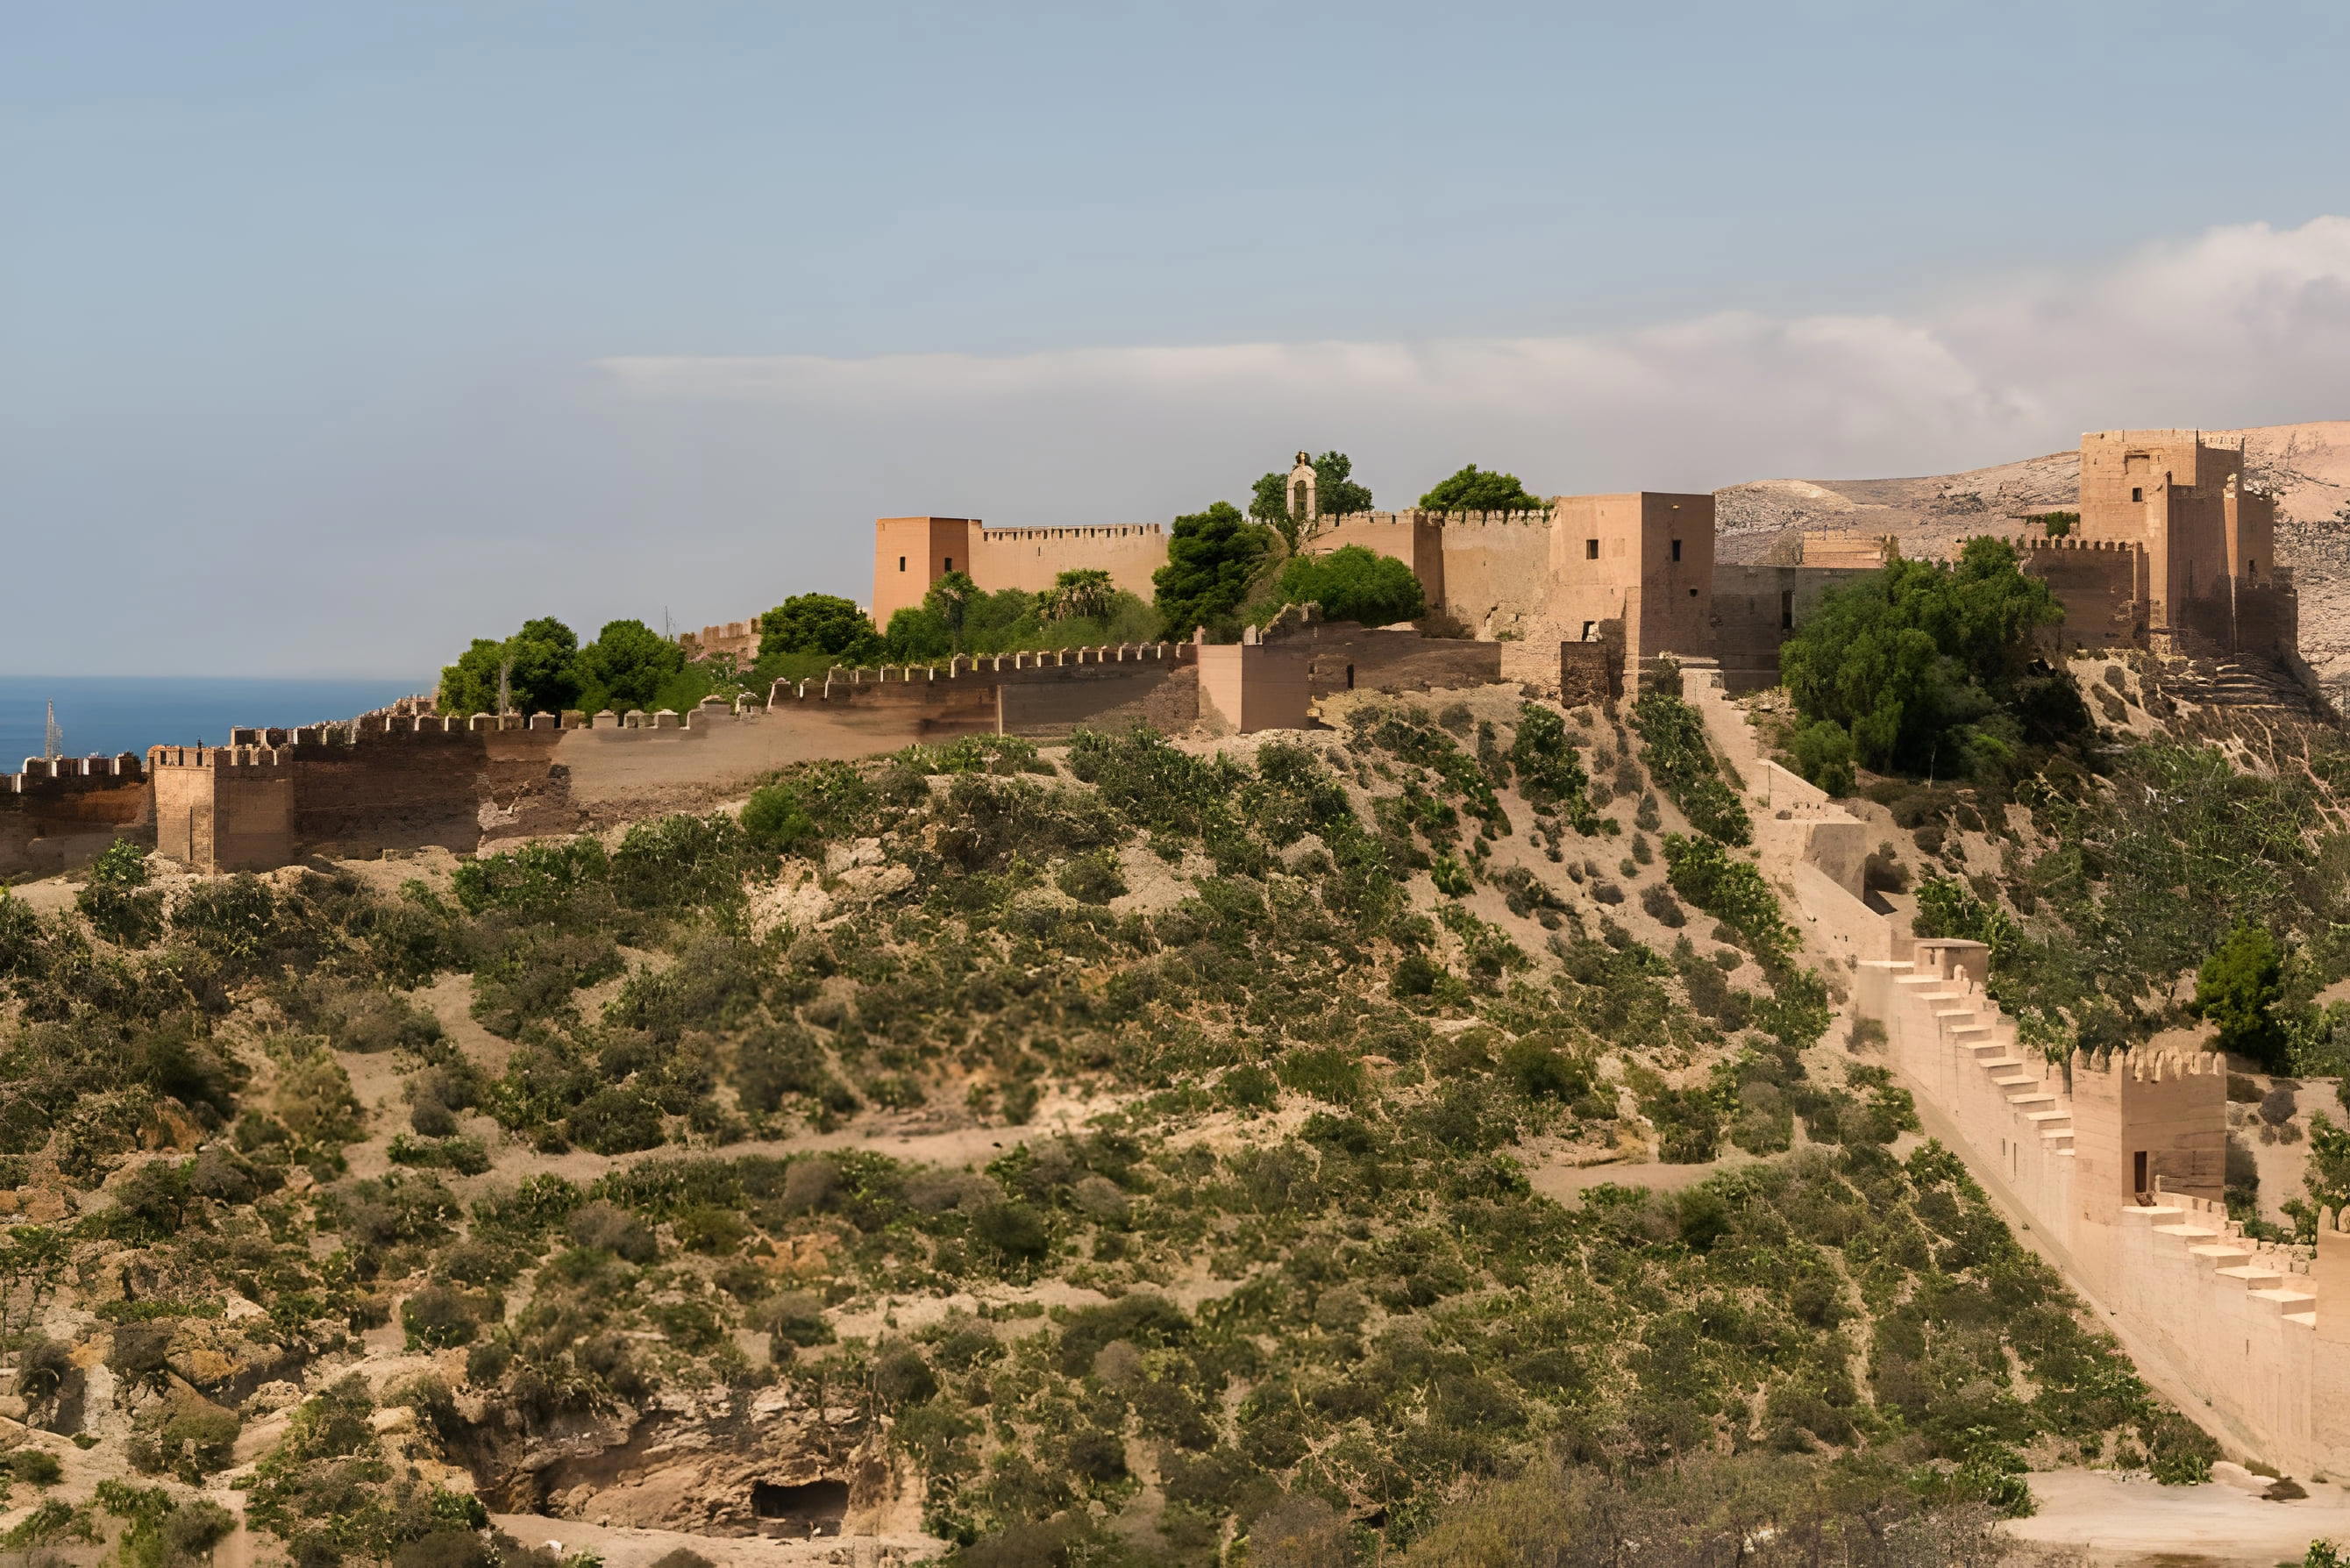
(63, 776)
(2041, 541)
(985, 535)
(2148, 1064)
(1412, 516)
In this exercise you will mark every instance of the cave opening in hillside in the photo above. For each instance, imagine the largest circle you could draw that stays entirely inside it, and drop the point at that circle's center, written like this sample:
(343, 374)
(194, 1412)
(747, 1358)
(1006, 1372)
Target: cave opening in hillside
(818, 1506)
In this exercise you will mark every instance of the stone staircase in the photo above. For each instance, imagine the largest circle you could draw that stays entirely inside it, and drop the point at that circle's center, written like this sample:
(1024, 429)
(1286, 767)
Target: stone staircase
(1981, 1042)
(2240, 683)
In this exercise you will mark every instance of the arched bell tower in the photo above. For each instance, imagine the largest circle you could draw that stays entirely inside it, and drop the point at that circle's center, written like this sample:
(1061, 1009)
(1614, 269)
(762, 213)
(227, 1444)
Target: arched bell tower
(1304, 504)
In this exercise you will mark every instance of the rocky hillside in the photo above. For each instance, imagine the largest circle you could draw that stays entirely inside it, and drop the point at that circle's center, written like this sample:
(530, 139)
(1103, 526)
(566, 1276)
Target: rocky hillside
(1103, 1152)
(2308, 466)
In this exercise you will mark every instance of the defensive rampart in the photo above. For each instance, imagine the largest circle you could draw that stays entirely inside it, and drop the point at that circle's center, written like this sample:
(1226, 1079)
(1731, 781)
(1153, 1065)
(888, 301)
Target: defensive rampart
(393, 782)
(58, 811)
(1343, 655)
(2114, 1163)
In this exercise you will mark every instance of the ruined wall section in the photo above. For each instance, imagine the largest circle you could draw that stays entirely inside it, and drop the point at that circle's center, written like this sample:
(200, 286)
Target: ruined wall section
(1346, 657)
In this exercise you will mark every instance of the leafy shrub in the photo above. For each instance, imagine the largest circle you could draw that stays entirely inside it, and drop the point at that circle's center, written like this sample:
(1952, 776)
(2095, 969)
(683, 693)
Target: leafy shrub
(1014, 1232)
(1092, 878)
(1732, 891)
(1685, 768)
(612, 1229)
(117, 902)
(199, 1442)
(536, 881)
(33, 1466)
(1354, 583)
(1822, 753)
(314, 1100)
(2238, 988)
(774, 819)
(1948, 908)
(615, 1120)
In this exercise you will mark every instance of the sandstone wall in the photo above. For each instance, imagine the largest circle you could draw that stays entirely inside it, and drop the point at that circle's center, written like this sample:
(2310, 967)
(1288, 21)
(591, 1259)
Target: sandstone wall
(1345, 656)
(1497, 568)
(1030, 558)
(1414, 537)
(55, 814)
(1252, 685)
(1754, 608)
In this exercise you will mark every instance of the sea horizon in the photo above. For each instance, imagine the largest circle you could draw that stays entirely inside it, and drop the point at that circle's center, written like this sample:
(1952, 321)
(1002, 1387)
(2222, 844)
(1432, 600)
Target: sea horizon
(106, 714)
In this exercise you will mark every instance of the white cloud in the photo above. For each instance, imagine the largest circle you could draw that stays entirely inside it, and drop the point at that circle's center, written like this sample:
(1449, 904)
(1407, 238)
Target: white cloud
(2243, 324)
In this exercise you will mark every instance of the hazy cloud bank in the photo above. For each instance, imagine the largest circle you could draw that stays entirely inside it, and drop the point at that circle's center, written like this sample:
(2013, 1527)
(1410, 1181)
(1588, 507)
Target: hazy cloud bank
(353, 516)
(2245, 325)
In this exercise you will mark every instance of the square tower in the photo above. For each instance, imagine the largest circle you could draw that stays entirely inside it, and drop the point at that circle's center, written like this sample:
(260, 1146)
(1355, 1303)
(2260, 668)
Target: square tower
(909, 553)
(1644, 559)
(2208, 537)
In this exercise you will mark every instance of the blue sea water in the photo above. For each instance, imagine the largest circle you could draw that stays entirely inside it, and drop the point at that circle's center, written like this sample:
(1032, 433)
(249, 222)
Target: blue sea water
(106, 714)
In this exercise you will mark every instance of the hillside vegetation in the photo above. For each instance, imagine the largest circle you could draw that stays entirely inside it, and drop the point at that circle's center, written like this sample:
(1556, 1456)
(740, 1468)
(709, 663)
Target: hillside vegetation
(373, 1199)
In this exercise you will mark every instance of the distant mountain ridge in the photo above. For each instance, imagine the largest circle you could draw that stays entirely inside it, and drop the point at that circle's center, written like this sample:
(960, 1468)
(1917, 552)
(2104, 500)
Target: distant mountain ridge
(2307, 465)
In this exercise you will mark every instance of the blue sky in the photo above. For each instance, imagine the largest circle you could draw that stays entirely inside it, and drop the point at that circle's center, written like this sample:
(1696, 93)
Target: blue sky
(345, 332)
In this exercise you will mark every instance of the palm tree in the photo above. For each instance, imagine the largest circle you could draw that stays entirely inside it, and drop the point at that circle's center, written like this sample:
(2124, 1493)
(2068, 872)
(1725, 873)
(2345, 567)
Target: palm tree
(1085, 593)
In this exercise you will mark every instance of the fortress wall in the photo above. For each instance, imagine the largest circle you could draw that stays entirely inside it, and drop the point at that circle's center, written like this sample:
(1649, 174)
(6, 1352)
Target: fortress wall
(2101, 583)
(1496, 570)
(1414, 537)
(1345, 656)
(1755, 608)
(223, 808)
(1030, 558)
(2238, 1326)
(1951, 1043)
(1588, 672)
(2240, 1320)
(1249, 686)
(58, 814)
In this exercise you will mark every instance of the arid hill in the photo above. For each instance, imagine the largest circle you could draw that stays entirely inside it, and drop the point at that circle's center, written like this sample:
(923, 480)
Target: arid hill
(2308, 465)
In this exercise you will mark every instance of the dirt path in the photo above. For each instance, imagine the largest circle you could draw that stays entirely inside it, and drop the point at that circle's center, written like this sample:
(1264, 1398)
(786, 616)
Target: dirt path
(2118, 1521)
(624, 1548)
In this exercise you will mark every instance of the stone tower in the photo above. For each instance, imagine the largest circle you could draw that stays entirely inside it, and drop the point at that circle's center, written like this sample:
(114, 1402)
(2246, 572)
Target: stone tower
(1303, 503)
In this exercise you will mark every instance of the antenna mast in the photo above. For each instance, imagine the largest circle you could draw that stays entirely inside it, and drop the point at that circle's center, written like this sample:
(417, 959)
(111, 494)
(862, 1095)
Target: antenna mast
(53, 740)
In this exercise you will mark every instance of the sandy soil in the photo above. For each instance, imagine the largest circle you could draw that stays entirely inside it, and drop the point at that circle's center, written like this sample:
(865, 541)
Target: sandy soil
(623, 1548)
(2114, 1520)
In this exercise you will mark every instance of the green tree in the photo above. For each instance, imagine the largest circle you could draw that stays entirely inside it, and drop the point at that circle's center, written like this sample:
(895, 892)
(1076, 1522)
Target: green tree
(915, 636)
(540, 667)
(948, 601)
(1212, 559)
(1336, 494)
(1477, 490)
(117, 902)
(816, 623)
(626, 665)
(1353, 584)
(2238, 988)
(1084, 594)
(1822, 753)
(1934, 667)
(1269, 504)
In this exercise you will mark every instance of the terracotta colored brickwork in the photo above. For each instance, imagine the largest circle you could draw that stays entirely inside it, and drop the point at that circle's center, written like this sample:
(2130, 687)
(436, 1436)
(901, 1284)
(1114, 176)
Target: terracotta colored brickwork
(58, 813)
(909, 553)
